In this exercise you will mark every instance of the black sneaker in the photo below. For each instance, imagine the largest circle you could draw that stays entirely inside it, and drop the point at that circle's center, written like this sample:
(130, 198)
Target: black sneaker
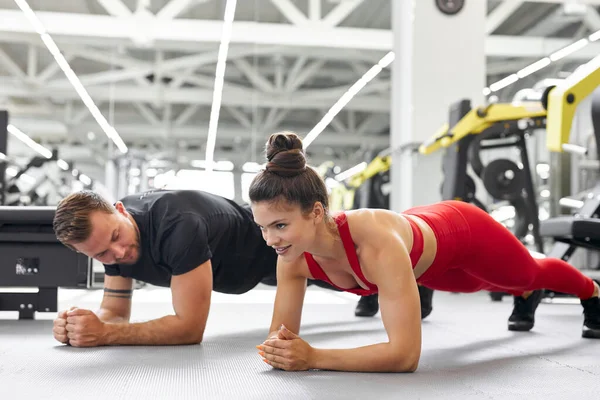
(591, 318)
(426, 296)
(367, 306)
(523, 315)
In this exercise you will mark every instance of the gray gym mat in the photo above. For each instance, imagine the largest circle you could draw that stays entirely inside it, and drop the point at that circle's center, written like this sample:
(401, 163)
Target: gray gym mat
(467, 354)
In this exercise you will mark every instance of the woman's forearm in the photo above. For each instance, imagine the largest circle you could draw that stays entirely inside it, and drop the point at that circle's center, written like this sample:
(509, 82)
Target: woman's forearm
(380, 357)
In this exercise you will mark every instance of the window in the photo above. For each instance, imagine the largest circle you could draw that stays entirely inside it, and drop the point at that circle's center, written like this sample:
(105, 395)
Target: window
(216, 182)
(246, 181)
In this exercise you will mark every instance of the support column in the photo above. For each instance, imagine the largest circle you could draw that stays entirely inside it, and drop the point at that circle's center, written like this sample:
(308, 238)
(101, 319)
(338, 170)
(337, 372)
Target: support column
(440, 59)
(3, 146)
(237, 184)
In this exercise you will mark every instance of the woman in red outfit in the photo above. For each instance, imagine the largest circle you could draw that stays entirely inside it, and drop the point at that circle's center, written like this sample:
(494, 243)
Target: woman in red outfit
(450, 246)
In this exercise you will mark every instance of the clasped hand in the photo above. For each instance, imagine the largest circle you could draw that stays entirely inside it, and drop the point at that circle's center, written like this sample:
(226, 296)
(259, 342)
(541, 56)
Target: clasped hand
(287, 351)
(79, 328)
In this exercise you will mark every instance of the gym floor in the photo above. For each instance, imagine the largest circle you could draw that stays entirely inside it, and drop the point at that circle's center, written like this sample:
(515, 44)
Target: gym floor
(467, 354)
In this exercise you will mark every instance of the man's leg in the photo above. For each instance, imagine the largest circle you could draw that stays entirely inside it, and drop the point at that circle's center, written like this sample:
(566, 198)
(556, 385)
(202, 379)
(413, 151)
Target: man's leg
(426, 295)
(368, 306)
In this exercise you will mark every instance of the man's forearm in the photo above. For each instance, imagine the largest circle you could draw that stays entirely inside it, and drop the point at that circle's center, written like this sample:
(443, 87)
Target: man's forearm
(169, 330)
(110, 317)
(373, 358)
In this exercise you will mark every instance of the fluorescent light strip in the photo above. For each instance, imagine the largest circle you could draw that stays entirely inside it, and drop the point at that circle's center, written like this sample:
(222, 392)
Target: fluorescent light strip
(544, 62)
(62, 164)
(71, 76)
(29, 142)
(346, 97)
(2, 156)
(86, 180)
(501, 84)
(342, 176)
(27, 179)
(570, 49)
(219, 80)
(486, 91)
(536, 66)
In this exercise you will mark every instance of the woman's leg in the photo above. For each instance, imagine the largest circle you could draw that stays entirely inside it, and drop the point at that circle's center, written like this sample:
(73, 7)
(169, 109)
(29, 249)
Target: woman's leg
(498, 258)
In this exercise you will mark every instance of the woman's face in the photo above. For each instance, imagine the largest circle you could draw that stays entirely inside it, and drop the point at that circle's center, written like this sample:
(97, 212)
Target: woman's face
(284, 227)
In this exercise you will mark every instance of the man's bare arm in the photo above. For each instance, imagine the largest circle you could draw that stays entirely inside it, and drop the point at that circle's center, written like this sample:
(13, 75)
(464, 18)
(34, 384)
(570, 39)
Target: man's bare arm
(191, 301)
(116, 303)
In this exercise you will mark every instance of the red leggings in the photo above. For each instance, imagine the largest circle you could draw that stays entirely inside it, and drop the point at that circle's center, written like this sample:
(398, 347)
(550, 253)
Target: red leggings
(475, 252)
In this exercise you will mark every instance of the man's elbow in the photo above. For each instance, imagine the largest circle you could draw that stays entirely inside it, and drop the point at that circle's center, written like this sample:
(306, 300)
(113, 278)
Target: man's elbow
(193, 335)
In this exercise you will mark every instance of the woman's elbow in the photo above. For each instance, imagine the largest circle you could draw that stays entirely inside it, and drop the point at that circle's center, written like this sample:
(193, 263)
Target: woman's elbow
(407, 362)
(412, 365)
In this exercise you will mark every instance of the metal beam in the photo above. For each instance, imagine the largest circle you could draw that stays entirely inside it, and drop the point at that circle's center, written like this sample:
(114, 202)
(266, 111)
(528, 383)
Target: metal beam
(52, 69)
(504, 67)
(115, 8)
(308, 100)
(374, 123)
(554, 22)
(186, 114)
(293, 72)
(254, 76)
(51, 130)
(107, 31)
(535, 47)
(11, 66)
(500, 14)
(304, 76)
(314, 10)
(175, 7)
(239, 117)
(592, 19)
(290, 11)
(140, 69)
(340, 12)
(147, 113)
(32, 61)
(187, 34)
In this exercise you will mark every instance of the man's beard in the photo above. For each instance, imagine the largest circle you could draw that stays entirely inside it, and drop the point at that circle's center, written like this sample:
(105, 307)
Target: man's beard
(135, 248)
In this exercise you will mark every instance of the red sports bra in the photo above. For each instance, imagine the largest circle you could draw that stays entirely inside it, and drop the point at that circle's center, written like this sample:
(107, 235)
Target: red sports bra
(342, 223)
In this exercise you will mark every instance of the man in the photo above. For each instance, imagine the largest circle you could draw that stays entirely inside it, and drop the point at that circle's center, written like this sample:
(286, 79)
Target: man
(191, 241)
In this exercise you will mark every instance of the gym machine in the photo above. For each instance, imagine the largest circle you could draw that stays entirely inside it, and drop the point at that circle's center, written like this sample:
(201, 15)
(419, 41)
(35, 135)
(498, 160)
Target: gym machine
(485, 128)
(33, 258)
(583, 228)
(33, 263)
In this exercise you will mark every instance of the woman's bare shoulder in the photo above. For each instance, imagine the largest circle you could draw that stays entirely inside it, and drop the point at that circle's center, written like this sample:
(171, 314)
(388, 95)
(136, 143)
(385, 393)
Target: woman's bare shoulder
(369, 224)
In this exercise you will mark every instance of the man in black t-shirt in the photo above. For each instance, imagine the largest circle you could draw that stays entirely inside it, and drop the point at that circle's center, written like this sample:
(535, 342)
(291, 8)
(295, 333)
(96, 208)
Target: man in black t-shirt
(191, 241)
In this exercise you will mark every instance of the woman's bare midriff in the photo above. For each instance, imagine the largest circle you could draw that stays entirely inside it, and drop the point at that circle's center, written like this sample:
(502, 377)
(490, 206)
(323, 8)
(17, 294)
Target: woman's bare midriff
(429, 246)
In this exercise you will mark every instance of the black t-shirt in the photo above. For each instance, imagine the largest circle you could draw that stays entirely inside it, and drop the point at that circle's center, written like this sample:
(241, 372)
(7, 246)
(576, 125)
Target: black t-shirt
(180, 230)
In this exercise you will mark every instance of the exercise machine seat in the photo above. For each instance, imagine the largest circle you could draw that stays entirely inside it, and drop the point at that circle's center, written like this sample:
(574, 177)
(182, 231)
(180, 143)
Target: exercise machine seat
(571, 228)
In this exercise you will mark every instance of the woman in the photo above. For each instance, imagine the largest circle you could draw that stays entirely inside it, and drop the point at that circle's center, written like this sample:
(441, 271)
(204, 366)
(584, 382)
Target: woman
(450, 246)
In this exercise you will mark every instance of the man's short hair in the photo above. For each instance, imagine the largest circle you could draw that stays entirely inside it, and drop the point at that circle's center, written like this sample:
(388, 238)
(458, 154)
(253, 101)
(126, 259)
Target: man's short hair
(72, 218)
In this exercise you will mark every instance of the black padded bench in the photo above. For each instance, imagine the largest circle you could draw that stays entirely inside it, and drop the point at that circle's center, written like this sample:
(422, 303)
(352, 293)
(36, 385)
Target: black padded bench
(32, 257)
(576, 231)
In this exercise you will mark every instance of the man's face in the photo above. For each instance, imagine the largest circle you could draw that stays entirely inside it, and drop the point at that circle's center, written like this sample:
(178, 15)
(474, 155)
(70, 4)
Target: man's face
(114, 238)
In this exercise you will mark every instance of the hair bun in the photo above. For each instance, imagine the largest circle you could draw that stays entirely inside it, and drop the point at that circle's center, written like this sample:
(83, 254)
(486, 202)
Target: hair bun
(285, 154)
